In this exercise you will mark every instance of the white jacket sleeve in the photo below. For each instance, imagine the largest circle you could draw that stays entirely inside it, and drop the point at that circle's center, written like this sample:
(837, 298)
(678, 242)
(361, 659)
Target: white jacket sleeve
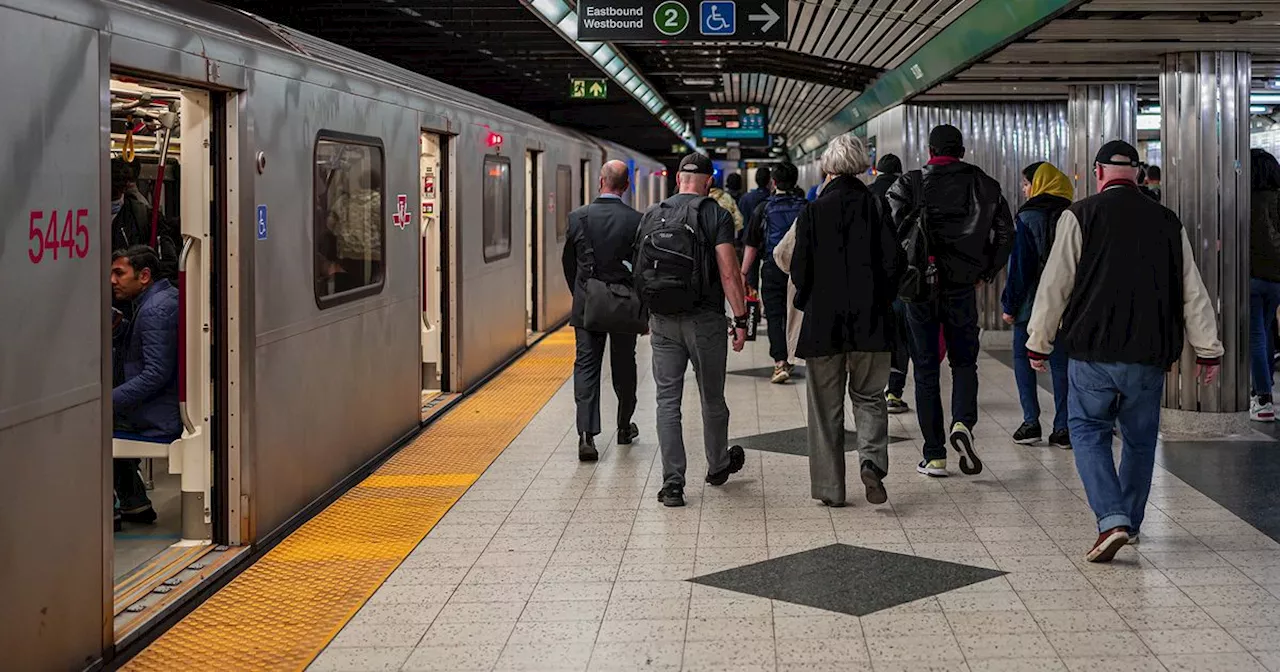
(785, 247)
(1056, 283)
(1197, 309)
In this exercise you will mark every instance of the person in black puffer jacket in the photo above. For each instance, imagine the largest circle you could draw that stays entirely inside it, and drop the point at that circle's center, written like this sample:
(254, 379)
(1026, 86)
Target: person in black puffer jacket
(1264, 278)
(971, 234)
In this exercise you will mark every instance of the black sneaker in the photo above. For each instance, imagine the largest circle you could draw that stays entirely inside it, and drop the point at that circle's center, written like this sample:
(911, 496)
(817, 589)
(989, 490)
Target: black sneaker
(671, 494)
(962, 442)
(587, 448)
(895, 404)
(1061, 438)
(1028, 434)
(628, 434)
(874, 480)
(145, 516)
(736, 459)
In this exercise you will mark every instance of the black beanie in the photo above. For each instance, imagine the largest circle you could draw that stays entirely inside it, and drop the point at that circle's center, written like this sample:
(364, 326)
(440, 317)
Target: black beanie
(889, 164)
(946, 140)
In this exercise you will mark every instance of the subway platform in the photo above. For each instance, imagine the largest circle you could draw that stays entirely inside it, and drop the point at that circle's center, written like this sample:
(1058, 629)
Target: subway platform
(545, 563)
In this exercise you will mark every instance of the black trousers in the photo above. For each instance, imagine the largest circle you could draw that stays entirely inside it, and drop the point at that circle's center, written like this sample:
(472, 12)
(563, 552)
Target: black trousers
(586, 377)
(773, 290)
(131, 492)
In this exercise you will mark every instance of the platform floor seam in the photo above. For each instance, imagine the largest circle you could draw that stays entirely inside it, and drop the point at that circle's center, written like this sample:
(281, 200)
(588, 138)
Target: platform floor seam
(281, 612)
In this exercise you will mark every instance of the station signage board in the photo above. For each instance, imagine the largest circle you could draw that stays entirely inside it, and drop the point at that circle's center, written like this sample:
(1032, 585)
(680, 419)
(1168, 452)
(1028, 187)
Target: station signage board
(589, 88)
(682, 20)
(734, 125)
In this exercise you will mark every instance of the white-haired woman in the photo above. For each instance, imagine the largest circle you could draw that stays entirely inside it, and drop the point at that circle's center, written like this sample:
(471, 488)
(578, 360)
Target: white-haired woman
(846, 267)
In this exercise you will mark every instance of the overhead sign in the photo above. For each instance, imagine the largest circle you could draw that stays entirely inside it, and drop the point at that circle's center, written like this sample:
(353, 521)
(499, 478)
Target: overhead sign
(734, 125)
(588, 88)
(682, 20)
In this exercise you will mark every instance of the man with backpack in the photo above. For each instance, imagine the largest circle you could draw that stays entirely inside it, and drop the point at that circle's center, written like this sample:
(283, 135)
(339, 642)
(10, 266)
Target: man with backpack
(685, 268)
(599, 245)
(769, 223)
(958, 230)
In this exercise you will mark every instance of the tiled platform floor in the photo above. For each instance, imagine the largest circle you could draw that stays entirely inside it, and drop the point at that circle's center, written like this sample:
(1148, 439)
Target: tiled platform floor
(550, 564)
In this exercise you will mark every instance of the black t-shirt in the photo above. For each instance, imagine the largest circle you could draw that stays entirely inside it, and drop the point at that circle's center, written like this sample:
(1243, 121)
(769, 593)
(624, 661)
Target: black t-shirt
(717, 229)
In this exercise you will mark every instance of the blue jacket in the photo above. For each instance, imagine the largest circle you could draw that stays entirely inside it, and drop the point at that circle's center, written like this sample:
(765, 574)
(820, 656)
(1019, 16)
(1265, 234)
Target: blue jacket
(147, 401)
(749, 202)
(1030, 245)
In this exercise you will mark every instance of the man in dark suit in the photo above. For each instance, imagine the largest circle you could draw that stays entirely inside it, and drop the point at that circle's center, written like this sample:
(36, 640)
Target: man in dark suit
(605, 230)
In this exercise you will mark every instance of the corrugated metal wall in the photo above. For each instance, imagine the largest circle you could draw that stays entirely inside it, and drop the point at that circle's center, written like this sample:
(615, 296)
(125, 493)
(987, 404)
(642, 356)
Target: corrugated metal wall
(1002, 139)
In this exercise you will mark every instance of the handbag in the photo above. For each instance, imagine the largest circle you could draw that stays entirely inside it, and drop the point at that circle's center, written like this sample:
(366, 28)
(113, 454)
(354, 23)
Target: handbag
(920, 282)
(610, 307)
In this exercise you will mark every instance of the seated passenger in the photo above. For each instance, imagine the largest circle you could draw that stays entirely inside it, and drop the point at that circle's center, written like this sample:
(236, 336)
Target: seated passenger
(146, 403)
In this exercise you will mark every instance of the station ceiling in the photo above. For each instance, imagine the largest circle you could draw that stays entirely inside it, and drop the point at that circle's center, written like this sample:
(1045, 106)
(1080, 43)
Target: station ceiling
(1115, 41)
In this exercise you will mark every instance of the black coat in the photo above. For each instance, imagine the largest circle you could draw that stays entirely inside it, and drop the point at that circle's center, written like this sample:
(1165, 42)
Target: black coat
(611, 226)
(846, 267)
(970, 223)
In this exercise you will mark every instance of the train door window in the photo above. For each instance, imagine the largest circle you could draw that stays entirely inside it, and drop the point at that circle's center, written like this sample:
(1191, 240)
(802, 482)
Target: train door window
(584, 196)
(564, 200)
(532, 238)
(348, 217)
(162, 151)
(496, 227)
(434, 244)
(641, 200)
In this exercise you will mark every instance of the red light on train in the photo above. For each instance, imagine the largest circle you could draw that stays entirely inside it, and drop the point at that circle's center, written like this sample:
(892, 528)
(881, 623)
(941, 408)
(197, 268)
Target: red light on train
(495, 139)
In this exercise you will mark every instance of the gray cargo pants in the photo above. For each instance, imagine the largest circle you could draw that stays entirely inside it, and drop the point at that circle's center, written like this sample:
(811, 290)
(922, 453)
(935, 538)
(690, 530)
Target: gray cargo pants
(702, 339)
(866, 374)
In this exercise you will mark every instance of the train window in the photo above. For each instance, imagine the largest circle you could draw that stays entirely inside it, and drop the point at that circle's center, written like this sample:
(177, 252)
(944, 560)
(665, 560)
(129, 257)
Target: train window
(348, 218)
(497, 208)
(564, 199)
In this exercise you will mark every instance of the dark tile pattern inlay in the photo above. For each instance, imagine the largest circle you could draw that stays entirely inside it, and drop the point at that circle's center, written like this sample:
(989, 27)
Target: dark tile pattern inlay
(767, 372)
(848, 579)
(795, 441)
(1239, 475)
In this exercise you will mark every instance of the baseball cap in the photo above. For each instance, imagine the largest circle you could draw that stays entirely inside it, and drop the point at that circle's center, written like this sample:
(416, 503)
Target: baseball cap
(1118, 148)
(696, 163)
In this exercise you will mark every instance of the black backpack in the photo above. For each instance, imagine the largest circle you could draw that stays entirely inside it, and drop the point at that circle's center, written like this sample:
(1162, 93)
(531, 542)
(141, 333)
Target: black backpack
(920, 282)
(671, 258)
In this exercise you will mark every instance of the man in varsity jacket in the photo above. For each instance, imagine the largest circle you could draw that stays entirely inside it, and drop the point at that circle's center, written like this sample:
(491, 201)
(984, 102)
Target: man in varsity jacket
(1123, 284)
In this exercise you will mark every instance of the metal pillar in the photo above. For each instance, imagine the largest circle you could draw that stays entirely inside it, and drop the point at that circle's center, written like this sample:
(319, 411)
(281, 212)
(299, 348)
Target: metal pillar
(1204, 100)
(1096, 115)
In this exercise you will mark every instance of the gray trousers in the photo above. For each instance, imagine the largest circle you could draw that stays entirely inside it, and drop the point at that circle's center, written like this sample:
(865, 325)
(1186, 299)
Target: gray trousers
(865, 374)
(701, 339)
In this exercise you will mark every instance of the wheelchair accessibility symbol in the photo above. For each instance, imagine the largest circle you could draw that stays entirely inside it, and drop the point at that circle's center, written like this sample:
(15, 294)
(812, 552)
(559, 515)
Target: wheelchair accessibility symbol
(718, 17)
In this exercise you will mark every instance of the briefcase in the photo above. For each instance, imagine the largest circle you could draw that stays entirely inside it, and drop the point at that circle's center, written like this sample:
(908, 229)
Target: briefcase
(614, 308)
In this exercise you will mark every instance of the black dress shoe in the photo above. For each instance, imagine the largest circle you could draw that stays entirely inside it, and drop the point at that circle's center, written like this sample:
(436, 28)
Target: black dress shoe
(628, 434)
(587, 448)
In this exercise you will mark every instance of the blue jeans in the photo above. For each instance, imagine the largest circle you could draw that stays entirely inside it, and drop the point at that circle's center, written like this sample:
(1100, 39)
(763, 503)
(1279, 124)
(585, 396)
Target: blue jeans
(1264, 297)
(956, 311)
(1102, 394)
(1026, 378)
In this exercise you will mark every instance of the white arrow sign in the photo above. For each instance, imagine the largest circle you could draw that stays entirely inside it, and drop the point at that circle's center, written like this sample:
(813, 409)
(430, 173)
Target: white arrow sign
(768, 18)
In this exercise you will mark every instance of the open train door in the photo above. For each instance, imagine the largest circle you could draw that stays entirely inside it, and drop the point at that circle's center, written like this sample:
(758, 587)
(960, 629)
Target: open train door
(437, 268)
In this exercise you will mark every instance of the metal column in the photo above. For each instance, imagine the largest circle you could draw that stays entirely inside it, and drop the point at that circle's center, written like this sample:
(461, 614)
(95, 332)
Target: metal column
(1204, 99)
(1096, 115)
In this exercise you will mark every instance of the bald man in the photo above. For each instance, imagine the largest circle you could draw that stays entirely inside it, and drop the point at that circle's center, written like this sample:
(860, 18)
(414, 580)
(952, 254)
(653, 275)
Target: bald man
(607, 228)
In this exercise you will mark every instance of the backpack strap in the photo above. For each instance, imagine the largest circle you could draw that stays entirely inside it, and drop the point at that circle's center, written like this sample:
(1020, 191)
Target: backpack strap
(590, 248)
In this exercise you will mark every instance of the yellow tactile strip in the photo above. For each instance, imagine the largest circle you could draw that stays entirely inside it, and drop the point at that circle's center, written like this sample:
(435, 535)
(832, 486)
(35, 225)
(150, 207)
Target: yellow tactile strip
(281, 612)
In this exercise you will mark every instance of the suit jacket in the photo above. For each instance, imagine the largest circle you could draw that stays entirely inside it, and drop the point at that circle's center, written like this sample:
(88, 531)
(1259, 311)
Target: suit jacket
(608, 227)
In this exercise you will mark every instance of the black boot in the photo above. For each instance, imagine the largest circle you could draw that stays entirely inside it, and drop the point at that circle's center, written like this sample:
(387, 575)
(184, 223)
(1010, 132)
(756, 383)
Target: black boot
(628, 434)
(587, 448)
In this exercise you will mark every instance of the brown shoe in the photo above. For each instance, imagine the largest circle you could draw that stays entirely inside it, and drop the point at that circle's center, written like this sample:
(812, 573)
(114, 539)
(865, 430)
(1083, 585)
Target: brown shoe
(1108, 544)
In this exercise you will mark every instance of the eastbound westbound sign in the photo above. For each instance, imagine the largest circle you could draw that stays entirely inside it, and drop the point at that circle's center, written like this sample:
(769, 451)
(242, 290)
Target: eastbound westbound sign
(588, 88)
(682, 20)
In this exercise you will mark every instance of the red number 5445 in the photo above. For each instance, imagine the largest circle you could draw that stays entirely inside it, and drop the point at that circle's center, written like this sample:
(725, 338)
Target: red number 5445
(49, 238)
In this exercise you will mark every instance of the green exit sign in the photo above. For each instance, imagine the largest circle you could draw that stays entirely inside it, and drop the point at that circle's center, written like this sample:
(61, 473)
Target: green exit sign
(589, 89)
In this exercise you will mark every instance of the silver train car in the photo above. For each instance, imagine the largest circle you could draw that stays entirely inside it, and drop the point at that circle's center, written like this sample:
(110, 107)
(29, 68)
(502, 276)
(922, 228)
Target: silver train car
(358, 245)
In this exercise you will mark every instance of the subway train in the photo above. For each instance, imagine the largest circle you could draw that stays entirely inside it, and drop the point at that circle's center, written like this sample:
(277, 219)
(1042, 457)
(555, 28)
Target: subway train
(354, 246)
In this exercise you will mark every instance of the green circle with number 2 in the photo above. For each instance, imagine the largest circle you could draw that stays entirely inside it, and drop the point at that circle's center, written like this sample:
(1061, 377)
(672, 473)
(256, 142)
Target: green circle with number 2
(671, 17)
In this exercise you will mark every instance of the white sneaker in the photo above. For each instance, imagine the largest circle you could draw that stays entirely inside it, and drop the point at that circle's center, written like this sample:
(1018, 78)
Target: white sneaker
(1260, 412)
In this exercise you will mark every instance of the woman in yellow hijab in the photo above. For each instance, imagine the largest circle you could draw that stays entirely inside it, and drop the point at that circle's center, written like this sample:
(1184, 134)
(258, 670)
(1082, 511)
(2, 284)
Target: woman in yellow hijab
(1048, 192)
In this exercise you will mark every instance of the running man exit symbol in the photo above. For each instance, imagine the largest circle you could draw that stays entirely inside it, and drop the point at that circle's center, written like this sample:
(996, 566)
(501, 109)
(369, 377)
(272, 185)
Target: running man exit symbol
(718, 17)
(590, 89)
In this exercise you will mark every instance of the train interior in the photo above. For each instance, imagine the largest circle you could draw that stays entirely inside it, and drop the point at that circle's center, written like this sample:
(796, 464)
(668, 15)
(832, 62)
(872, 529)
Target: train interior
(161, 151)
(435, 244)
(532, 241)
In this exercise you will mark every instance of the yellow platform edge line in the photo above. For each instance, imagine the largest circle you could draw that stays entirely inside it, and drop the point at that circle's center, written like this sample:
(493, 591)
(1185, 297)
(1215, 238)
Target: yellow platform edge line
(281, 612)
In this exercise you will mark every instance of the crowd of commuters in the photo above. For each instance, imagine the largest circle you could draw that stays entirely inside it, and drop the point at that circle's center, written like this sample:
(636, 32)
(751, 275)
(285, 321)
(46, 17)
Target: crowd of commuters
(866, 281)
